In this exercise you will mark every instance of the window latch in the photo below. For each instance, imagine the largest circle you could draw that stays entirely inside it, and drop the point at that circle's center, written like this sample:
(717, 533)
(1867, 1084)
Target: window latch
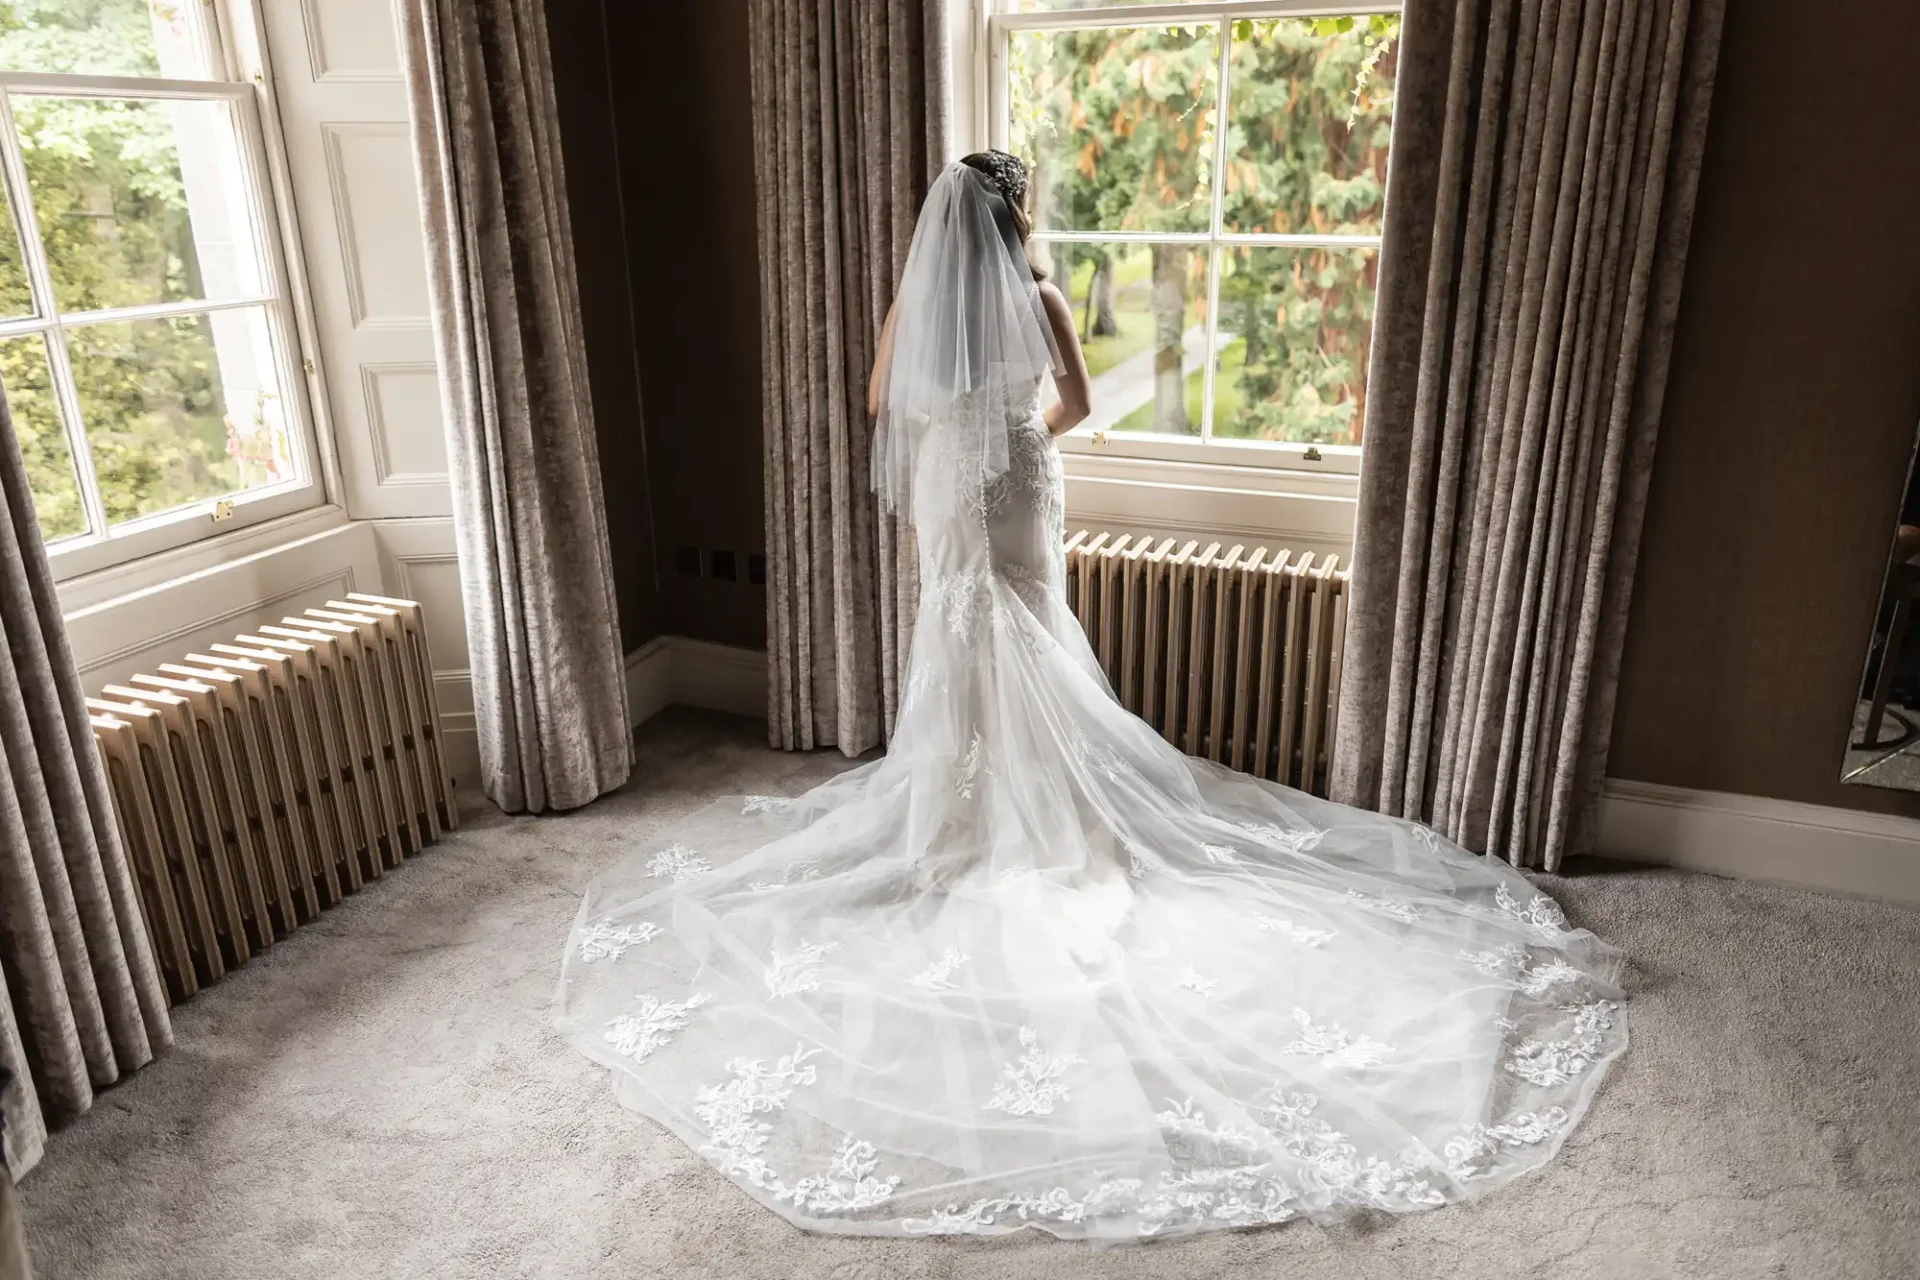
(223, 510)
(1311, 455)
(1100, 437)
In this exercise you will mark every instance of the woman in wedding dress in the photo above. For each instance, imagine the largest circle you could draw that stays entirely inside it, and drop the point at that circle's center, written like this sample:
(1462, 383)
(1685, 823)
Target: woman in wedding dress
(1034, 967)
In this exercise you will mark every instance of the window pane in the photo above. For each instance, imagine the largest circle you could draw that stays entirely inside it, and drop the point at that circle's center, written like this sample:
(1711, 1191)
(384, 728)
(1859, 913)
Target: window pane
(1296, 326)
(43, 443)
(103, 37)
(139, 200)
(1117, 124)
(1141, 313)
(1310, 105)
(16, 299)
(180, 410)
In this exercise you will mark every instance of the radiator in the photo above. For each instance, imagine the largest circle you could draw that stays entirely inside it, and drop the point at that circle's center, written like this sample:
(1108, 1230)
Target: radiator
(1232, 656)
(259, 781)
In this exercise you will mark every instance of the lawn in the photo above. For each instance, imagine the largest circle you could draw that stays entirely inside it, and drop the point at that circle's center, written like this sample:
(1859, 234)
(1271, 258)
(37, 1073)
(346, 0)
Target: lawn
(1226, 396)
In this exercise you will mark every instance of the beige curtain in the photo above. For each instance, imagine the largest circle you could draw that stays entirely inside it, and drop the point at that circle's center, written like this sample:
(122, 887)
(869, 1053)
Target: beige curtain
(80, 998)
(1539, 196)
(849, 121)
(530, 523)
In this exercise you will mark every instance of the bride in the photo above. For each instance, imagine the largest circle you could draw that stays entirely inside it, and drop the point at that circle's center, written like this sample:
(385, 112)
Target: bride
(1035, 967)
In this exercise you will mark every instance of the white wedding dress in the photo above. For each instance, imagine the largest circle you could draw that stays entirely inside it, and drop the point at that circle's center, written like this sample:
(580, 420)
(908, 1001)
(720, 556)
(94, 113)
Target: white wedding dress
(1035, 967)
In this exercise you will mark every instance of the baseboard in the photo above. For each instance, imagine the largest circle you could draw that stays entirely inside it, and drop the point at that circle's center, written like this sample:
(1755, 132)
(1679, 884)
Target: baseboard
(460, 749)
(650, 679)
(695, 673)
(1841, 851)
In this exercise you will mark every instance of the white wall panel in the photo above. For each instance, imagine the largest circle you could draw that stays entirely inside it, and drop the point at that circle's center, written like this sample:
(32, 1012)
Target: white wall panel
(417, 559)
(341, 98)
(376, 202)
(351, 40)
(403, 413)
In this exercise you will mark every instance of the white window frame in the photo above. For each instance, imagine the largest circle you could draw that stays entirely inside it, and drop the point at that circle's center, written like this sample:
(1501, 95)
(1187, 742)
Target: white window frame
(103, 548)
(1205, 462)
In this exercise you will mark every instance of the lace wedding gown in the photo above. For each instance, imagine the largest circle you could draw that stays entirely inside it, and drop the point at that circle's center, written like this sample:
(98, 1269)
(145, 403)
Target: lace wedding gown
(1035, 967)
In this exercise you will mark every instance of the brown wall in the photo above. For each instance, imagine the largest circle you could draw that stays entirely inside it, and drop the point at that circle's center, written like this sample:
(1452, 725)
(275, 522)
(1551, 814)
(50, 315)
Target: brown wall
(600, 243)
(685, 161)
(1790, 412)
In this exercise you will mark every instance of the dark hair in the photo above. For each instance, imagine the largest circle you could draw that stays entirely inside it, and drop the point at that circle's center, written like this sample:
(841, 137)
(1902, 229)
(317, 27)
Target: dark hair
(1008, 174)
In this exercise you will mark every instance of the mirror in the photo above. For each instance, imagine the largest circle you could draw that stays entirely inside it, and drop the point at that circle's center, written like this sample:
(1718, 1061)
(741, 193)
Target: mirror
(1883, 749)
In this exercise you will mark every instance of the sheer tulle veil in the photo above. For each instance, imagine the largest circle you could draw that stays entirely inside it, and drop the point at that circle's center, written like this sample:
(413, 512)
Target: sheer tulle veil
(1036, 968)
(971, 343)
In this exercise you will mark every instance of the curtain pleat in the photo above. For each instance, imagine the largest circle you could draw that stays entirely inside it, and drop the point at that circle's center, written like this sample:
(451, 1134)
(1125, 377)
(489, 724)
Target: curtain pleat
(81, 1003)
(849, 120)
(530, 522)
(1539, 197)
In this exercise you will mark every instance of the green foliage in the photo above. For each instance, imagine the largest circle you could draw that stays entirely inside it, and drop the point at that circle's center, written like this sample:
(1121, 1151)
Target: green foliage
(111, 207)
(36, 423)
(97, 37)
(1119, 125)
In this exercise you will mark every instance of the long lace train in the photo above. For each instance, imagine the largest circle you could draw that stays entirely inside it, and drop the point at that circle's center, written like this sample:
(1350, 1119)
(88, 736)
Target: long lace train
(1037, 968)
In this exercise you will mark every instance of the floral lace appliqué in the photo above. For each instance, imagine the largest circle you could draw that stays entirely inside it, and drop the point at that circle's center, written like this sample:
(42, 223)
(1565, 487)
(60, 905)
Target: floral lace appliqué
(1542, 912)
(1499, 962)
(1225, 1175)
(731, 1112)
(1541, 978)
(765, 804)
(1334, 1045)
(602, 940)
(1335, 1164)
(1220, 855)
(1405, 912)
(1469, 1155)
(1033, 1084)
(653, 1027)
(957, 597)
(938, 976)
(1555, 1062)
(967, 774)
(791, 972)
(679, 862)
(849, 1183)
(738, 1138)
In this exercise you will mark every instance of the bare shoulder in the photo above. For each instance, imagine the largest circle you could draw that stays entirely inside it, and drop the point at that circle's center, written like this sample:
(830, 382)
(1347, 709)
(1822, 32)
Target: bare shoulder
(1054, 300)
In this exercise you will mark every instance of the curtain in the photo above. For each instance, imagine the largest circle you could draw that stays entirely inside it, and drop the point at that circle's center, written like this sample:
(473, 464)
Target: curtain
(1539, 195)
(81, 1003)
(849, 126)
(530, 523)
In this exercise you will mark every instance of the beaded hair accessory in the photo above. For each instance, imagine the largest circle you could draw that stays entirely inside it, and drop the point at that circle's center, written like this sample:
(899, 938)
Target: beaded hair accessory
(1009, 175)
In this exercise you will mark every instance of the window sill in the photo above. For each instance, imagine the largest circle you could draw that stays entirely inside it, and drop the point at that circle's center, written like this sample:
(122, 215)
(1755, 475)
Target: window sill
(1305, 511)
(88, 591)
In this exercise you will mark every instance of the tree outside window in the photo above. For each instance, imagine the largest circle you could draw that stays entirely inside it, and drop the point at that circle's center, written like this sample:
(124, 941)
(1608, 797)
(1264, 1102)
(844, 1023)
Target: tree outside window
(1223, 281)
(143, 338)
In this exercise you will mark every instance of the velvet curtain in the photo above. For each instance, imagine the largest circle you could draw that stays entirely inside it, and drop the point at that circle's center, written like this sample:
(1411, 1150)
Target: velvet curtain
(1539, 196)
(850, 126)
(81, 1003)
(530, 522)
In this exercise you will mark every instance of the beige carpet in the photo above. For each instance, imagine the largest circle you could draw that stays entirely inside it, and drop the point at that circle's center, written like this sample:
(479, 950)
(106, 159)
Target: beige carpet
(381, 1097)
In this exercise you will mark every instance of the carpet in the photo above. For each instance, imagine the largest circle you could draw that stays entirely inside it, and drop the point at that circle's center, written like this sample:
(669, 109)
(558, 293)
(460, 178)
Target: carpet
(381, 1096)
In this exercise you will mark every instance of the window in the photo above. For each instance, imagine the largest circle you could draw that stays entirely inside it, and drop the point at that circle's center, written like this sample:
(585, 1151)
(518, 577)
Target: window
(1223, 278)
(146, 343)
